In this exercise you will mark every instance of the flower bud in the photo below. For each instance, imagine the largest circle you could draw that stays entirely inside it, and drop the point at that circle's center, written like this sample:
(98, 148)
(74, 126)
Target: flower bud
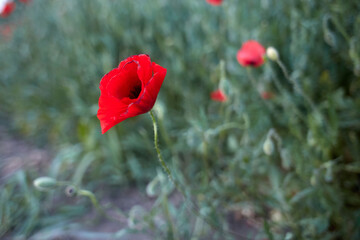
(272, 54)
(45, 183)
(70, 191)
(268, 146)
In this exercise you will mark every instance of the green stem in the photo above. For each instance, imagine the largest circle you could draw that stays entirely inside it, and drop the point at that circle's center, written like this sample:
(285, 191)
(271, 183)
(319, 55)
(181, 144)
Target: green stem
(205, 161)
(283, 91)
(252, 79)
(299, 89)
(167, 170)
(191, 205)
(296, 85)
(253, 82)
(92, 198)
(161, 160)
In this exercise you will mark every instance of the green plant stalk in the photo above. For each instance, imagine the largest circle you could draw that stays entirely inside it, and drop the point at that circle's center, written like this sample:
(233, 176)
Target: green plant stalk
(167, 171)
(168, 142)
(205, 161)
(192, 207)
(299, 89)
(253, 82)
(283, 91)
(296, 86)
(222, 110)
(95, 203)
(161, 160)
(92, 198)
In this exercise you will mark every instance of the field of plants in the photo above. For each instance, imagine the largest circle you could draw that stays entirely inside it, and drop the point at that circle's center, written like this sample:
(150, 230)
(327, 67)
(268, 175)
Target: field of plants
(179, 120)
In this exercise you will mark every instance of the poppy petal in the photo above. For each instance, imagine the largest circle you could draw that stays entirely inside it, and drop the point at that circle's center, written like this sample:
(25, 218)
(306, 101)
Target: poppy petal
(147, 100)
(143, 62)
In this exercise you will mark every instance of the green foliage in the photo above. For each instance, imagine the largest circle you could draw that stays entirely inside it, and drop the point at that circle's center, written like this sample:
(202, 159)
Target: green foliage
(49, 76)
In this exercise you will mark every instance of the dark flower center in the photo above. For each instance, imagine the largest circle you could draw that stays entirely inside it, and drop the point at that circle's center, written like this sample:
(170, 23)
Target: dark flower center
(252, 63)
(135, 91)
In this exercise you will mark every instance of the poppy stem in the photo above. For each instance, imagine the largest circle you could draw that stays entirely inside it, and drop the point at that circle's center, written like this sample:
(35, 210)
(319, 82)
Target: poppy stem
(92, 198)
(255, 85)
(296, 85)
(161, 160)
(190, 204)
(167, 170)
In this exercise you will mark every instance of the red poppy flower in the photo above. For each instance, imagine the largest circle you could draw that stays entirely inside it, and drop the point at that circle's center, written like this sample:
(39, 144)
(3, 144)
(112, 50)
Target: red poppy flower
(129, 90)
(251, 54)
(25, 1)
(6, 8)
(218, 96)
(214, 2)
(267, 95)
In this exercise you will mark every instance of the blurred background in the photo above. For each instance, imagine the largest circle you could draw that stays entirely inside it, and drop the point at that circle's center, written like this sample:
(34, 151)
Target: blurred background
(268, 163)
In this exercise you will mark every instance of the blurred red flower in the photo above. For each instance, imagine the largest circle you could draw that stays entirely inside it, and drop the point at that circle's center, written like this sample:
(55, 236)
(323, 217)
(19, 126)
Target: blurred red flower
(214, 2)
(251, 53)
(6, 8)
(218, 96)
(129, 90)
(267, 95)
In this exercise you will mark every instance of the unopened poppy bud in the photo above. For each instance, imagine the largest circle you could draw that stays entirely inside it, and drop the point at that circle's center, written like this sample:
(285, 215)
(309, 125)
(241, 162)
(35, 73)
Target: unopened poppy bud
(45, 183)
(272, 54)
(268, 146)
(70, 191)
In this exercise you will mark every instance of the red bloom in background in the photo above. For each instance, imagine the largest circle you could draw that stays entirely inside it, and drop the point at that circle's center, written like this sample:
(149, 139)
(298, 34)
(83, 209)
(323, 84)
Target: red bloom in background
(267, 95)
(214, 2)
(251, 53)
(6, 8)
(218, 96)
(129, 90)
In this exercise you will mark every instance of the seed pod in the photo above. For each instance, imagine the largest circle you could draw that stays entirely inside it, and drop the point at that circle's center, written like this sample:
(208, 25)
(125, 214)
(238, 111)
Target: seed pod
(45, 183)
(70, 191)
